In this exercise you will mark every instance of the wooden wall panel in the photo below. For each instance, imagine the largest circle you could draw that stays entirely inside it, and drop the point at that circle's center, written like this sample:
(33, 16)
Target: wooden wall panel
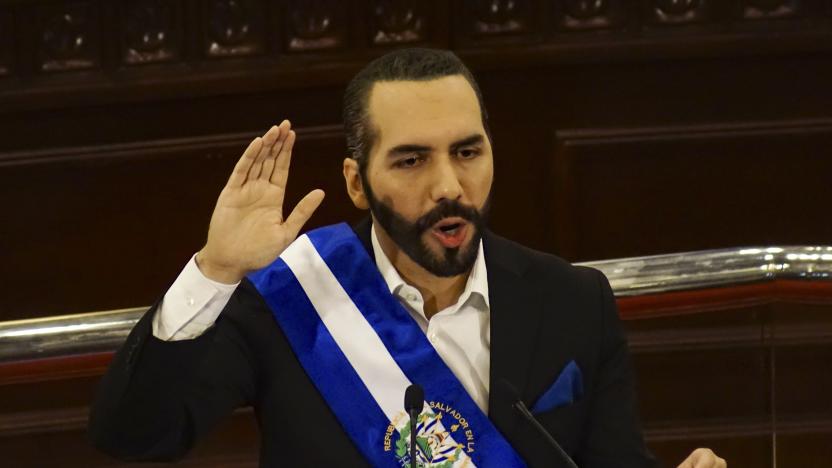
(725, 375)
(802, 382)
(814, 450)
(109, 228)
(234, 444)
(749, 382)
(657, 190)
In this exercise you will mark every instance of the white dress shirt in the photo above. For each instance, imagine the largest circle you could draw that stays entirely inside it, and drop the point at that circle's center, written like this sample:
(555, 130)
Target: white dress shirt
(460, 333)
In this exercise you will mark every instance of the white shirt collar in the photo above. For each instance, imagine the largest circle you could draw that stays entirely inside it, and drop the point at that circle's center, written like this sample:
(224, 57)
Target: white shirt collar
(477, 283)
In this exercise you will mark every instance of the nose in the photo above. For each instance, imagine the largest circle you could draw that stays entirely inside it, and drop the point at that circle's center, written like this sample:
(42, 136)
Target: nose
(446, 184)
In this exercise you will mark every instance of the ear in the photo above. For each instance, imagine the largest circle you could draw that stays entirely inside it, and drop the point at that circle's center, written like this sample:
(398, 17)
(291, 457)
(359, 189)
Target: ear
(355, 188)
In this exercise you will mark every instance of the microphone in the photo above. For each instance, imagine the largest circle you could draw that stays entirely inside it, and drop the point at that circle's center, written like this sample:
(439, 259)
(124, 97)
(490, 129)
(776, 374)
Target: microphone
(414, 402)
(517, 403)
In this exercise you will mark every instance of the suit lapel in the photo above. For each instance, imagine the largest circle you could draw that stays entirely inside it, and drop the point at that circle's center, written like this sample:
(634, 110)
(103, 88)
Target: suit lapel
(515, 314)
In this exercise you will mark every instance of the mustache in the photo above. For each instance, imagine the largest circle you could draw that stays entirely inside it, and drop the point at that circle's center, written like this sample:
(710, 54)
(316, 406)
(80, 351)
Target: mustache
(447, 209)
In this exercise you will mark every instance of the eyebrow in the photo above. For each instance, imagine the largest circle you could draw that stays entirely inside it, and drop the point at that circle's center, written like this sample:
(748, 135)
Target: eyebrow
(407, 149)
(467, 141)
(413, 148)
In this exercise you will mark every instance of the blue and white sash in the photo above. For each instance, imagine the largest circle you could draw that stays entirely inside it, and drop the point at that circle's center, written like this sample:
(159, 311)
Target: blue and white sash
(362, 349)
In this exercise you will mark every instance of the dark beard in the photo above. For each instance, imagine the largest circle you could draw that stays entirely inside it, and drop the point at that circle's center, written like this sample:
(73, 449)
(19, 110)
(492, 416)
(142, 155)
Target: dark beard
(408, 236)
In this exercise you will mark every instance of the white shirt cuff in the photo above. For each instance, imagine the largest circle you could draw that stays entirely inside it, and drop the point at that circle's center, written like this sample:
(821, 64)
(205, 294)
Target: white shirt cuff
(191, 305)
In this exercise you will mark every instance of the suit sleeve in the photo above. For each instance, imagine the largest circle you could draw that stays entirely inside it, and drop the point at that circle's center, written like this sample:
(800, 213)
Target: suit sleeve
(615, 437)
(158, 397)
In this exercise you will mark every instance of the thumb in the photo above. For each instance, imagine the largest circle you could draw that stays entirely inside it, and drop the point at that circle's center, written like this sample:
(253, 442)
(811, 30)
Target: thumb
(303, 211)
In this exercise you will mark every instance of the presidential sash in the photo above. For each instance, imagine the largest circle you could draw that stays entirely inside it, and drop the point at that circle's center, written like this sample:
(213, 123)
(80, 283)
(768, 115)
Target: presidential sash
(362, 349)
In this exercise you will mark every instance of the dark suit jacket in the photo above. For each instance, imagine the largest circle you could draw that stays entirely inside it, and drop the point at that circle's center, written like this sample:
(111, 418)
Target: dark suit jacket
(159, 398)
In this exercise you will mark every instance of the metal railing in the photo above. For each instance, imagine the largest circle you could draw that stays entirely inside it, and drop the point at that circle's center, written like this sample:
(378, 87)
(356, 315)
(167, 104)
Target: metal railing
(636, 276)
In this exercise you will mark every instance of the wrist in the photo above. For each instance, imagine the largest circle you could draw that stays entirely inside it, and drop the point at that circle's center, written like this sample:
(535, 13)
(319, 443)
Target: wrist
(216, 272)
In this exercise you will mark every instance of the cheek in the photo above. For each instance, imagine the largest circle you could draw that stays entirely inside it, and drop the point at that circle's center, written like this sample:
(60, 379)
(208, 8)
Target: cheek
(403, 197)
(407, 205)
(479, 184)
(488, 180)
(406, 193)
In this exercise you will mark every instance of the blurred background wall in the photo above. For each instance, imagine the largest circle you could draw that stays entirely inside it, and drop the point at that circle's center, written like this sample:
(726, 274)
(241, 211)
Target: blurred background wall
(621, 128)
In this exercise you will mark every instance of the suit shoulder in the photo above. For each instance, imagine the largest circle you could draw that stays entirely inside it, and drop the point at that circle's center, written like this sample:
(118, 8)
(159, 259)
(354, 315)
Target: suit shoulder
(537, 264)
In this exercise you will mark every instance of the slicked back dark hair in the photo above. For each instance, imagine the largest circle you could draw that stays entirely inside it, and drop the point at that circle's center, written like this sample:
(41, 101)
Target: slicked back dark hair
(415, 64)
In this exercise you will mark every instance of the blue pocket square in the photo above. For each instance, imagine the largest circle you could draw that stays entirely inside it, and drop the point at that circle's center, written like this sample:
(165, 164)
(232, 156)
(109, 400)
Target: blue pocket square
(568, 388)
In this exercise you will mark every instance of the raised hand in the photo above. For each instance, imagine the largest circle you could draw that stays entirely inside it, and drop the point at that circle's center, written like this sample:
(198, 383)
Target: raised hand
(248, 230)
(703, 458)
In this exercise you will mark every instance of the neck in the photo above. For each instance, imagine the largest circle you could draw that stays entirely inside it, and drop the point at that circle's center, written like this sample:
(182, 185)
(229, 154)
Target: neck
(438, 292)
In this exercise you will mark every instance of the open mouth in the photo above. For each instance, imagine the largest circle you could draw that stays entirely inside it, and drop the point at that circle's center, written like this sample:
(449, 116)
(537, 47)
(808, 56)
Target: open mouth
(450, 232)
(450, 229)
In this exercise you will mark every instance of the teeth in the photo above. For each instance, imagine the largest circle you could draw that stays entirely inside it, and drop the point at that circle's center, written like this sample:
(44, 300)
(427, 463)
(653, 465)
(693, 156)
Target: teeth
(449, 227)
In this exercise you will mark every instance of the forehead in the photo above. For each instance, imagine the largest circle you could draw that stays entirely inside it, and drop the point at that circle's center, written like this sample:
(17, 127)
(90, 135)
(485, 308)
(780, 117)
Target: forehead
(406, 111)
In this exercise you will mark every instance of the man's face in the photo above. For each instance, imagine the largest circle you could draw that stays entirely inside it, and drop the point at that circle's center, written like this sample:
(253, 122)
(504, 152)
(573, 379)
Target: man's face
(430, 170)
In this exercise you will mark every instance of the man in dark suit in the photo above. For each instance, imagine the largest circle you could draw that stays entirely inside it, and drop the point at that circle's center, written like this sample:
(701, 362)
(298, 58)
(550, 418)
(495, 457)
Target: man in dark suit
(421, 162)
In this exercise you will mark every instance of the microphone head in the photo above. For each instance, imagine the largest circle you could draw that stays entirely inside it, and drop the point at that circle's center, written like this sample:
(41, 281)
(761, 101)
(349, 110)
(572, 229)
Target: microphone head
(414, 398)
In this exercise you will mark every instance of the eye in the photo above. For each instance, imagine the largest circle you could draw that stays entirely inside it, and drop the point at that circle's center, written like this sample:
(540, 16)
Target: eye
(409, 161)
(468, 153)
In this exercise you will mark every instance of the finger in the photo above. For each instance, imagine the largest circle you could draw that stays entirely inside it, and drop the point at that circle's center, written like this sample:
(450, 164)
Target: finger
(281, 170)
(269, 138)
(240, 172)
(688, 463)
(268, 141)
(269, 162)
(721, 463)
(703, 458)
(709, 460)
(303, 211)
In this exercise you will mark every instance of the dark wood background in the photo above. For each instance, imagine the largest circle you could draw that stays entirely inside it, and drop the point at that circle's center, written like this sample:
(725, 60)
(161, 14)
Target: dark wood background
(621, 128)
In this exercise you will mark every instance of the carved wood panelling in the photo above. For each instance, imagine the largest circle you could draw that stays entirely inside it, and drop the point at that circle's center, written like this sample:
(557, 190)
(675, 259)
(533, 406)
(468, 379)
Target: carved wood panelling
(77, 36)
(233, 27)
(577, 15)
(487, 23)
(315, 25)
(6, 42)
(152, 31)
(768, 9)
(498, 17)
(68, 36)
(398, 21)
(673, 12)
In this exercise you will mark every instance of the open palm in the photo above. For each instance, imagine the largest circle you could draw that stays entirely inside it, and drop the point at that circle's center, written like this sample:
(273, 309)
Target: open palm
(248, 230)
